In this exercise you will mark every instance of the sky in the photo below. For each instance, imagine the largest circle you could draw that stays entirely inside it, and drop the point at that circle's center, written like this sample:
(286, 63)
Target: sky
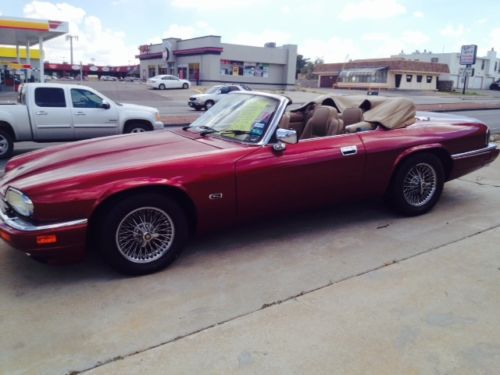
(110, 31)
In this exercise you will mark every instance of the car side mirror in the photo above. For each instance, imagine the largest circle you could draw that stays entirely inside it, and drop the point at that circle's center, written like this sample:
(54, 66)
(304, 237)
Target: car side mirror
(283, 137)
(105, 105)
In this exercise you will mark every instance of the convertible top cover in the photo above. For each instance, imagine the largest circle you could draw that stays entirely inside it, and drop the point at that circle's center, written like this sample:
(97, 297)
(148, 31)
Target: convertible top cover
(391, 113)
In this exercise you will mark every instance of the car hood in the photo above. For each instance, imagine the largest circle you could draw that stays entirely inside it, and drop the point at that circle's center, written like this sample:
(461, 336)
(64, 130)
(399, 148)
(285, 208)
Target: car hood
(100, 156)
(136, 107)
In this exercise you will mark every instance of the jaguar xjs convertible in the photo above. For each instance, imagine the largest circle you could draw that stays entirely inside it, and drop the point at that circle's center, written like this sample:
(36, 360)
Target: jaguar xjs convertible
(138, 199)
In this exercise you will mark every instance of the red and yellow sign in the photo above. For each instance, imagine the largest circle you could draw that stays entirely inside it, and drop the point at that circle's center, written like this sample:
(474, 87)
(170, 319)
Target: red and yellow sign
(33, 25)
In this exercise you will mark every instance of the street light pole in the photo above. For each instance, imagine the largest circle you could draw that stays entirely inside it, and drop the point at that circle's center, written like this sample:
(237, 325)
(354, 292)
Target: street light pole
(70, 38)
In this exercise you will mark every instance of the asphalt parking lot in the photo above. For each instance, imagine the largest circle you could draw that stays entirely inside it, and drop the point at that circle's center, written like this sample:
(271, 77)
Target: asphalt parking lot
(348, 289)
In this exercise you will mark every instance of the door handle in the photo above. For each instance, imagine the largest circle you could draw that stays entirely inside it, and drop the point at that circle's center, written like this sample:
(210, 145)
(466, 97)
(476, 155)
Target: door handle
(79, 114)
(349, 150)
(41, 113)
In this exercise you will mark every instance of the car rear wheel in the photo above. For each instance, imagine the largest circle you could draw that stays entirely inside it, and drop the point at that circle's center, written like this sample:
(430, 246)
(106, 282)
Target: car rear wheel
(6, 144)
(185, 86)
(143, 233)
(417, 184)
(161, 87)
(209, 104)
(136, 128)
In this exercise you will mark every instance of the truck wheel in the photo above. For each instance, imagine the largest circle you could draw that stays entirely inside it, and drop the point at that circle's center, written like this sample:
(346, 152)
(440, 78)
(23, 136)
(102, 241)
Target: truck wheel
(143, 233)
(6, 144)
(417, 184)
(136, 128)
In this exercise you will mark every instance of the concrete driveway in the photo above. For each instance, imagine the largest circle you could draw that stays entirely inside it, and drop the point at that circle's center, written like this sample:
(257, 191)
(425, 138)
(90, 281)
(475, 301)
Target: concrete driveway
(353, 286)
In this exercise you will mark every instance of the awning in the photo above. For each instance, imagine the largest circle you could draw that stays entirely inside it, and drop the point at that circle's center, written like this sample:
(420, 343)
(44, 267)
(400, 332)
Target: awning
(360, 72)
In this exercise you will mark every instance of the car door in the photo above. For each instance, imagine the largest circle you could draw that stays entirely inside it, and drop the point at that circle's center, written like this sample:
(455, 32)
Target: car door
(174, 82)
(51, 115)
(310, 173)
(90, 117)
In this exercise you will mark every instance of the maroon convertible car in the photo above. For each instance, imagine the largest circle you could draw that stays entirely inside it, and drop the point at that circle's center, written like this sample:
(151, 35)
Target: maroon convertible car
(139, 198)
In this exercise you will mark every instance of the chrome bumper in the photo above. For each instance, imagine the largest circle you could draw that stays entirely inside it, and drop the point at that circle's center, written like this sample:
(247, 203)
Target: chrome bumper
(482, 151)
(24, 226)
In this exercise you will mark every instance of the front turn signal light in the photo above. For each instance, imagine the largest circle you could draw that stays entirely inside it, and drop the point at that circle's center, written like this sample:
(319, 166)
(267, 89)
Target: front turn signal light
(46, 240)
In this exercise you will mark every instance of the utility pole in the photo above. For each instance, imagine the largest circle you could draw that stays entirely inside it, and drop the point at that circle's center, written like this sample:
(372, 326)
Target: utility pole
(70, 38)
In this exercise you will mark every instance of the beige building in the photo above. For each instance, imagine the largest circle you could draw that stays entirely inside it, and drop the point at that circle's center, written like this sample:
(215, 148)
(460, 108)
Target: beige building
(391, 73)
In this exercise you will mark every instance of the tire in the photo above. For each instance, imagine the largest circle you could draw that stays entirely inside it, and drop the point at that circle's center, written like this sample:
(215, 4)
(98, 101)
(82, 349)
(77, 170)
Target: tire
(417, 184)
(208, 104)
(142, 233)
(185, 86)
(6, 144)
(136, 128)
(162, 87)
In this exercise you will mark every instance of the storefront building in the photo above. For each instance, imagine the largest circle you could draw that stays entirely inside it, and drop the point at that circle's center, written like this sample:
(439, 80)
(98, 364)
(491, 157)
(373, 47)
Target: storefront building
(392, 73)
(206, 61)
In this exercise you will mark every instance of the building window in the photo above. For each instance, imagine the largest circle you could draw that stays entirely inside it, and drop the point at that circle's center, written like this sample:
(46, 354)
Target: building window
(482, 65)
(243, 68)
(434, 60)
(496, 64)
(363, 75)
(429, 79)
(472, 72)
(419, 78)
(409, 77)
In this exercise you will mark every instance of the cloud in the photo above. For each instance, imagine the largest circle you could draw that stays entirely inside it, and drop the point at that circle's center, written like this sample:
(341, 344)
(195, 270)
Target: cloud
(197, 29)
(387, 44)
(372, 10)
(418, 14)
(453, 31)
(214, 5)
(332, 50)
(258, 38)
(95, 43)
(495, 38)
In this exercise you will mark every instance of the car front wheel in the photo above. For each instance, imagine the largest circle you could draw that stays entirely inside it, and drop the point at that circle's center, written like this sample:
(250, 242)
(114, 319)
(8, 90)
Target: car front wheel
(417, 184)
(136, 128)
(185, 86)
(161, 87)
(143, 233)
(209, 104)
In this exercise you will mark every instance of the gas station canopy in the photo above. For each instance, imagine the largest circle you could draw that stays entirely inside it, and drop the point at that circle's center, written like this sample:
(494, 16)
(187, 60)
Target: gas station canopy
(29, 32)
(22, 31)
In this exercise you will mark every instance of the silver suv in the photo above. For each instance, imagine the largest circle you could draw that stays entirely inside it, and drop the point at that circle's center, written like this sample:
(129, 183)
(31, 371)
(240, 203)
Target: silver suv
(212, 95)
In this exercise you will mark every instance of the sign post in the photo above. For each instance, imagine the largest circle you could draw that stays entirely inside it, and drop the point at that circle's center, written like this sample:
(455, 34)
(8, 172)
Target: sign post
(468, 58)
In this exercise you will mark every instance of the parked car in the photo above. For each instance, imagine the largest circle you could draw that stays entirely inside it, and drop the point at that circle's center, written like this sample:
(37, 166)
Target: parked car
(166, 81)
(213, 94)
(139, 198)
(495, 85)
(51, 112)
(108, 78)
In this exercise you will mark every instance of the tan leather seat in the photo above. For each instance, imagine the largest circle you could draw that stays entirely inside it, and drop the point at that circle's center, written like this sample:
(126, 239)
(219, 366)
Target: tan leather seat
(285, 121)
(324, 122)
(352, 116)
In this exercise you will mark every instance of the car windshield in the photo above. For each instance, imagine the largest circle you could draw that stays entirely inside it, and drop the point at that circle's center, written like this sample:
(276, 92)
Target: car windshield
(213, 89)
(240, 117)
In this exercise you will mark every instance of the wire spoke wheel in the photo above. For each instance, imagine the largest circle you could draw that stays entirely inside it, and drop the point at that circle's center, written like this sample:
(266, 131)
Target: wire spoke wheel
(420, 184)
(145, 235)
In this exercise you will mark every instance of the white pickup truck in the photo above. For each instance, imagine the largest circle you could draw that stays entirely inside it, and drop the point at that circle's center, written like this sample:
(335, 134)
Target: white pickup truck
(51, 112)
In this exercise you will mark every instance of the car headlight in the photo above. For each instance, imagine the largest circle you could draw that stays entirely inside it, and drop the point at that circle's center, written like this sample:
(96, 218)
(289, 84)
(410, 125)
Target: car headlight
(157, 116)
(19, 202)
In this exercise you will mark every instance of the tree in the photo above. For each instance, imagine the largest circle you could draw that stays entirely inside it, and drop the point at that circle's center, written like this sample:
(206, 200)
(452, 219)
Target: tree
(301, 65)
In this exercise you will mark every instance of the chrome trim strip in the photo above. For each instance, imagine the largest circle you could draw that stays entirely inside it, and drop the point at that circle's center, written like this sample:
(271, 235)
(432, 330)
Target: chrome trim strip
(491, 146)
(20, 224)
